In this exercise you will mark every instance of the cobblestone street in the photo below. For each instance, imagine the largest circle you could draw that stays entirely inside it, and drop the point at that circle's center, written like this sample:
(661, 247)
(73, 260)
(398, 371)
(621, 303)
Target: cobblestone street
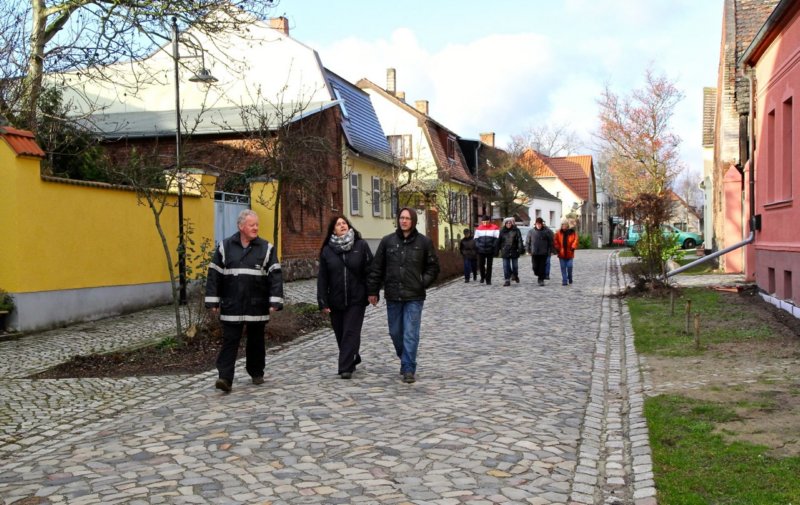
(525, 394)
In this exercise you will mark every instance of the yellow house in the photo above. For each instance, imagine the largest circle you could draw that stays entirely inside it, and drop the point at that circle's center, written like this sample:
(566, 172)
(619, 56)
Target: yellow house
(441, 186)
(370, 173)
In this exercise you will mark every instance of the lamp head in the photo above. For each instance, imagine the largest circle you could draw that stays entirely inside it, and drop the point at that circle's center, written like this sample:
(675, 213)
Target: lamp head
(203, 76)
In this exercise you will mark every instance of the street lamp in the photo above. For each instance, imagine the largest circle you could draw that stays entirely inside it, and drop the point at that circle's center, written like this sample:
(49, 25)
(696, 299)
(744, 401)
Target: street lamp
(204, 76)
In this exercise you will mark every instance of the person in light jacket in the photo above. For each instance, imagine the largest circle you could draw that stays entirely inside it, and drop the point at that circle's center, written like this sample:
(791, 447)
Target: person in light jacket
(344, 262)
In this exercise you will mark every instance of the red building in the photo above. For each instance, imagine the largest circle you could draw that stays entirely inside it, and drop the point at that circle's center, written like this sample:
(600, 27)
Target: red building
(773, 62)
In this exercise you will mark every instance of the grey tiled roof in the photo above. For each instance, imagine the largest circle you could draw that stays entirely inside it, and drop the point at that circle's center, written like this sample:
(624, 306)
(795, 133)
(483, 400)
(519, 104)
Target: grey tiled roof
(361, 126)
(148, 124)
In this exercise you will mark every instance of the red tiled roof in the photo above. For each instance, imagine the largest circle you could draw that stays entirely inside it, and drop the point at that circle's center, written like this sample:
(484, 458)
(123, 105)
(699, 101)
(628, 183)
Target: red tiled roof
(576, 172)
(21, 141)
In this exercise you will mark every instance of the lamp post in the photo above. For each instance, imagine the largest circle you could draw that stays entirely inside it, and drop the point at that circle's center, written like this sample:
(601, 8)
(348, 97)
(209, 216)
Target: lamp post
(204, 76)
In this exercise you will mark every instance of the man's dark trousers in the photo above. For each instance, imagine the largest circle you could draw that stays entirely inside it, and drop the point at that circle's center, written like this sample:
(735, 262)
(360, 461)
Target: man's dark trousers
(485, 265)
(255, 349)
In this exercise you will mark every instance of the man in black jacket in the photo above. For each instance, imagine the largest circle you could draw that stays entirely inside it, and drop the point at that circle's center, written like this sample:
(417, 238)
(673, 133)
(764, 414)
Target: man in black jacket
(244, 287)
(405, 265)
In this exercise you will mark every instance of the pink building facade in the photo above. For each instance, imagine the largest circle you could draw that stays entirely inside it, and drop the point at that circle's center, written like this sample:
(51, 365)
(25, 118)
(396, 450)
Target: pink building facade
(774, 60)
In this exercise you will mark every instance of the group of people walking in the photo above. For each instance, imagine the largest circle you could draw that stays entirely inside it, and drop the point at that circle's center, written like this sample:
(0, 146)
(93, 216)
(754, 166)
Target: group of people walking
(507, 242)
(245, 285)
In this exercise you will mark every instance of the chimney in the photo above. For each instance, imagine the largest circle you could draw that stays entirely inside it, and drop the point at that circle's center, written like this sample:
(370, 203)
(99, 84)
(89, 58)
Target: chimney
(401, 95)
(488, 139)
(391, 80)
(422, 106)
(280, 23)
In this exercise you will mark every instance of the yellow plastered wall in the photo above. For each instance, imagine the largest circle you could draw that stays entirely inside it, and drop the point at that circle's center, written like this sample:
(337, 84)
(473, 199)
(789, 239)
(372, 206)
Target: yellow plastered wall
(262, 201)
(71, 235)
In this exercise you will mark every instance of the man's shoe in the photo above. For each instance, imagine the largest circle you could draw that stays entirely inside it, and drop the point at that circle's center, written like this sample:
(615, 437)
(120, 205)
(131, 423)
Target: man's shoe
(466, 280)
(482, 281)
(516, 279)
(223, 384)
(488, 283)
(408, 378)
(541, 283)
(346, 375)
(506, 283)
(547, 277)
(258, 380)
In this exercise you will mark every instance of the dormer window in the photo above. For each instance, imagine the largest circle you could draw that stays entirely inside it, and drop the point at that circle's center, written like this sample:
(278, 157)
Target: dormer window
(451, 148)
(401, 146)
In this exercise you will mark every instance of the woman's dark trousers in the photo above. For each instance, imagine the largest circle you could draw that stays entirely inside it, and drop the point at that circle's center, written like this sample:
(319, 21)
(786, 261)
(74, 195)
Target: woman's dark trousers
(347, 328)
(255, 349)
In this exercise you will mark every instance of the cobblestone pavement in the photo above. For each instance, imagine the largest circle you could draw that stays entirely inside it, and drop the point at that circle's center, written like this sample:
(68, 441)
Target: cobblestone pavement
(525, 394)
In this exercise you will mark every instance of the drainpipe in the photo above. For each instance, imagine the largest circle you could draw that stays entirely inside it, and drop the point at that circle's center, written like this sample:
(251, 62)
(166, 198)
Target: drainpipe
(751, 187)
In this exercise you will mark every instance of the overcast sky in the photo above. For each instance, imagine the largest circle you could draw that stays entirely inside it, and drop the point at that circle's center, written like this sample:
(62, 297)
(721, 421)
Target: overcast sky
(506, 65)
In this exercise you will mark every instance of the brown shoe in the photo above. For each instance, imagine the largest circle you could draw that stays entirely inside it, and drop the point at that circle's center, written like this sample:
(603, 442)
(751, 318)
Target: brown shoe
(223, 384)
(258, 380)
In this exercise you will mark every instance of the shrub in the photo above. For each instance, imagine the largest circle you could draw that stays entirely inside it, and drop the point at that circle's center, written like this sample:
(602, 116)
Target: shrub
(584, 241)
(6, 301)
(451, 265)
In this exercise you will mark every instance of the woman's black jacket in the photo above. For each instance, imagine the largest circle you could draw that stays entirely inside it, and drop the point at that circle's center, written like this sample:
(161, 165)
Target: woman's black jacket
(510, 243)
(404, 266)
(342, 278)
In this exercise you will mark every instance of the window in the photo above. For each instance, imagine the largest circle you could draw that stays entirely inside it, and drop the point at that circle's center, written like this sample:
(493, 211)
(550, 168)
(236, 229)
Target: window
(451, 148)
(552, 219)
(787, 148)
(355, 194)
(401, 146)
(771, 158)
(538, 212)
(376, 196)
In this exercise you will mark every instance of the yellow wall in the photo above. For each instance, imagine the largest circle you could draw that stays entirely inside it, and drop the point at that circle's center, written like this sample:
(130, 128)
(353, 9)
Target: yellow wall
(70, 235)
(262, 201)
(458, 228)
(370, 227)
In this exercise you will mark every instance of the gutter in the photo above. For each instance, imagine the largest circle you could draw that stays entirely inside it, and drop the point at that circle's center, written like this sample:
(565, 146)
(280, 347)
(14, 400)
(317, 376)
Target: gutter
(712, 256)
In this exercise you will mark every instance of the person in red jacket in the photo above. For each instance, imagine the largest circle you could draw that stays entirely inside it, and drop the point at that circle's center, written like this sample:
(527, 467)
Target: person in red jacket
(565, 243)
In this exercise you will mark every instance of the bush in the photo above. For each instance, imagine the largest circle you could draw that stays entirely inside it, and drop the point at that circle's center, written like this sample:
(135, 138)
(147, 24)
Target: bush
(6, 301)
(451, 265)
(584, 241)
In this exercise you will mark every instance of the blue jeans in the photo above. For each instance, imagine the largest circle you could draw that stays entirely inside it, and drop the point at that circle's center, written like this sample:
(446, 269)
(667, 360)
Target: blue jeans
(470, 268)
(566, 270)
(510, 268)
(404, 322)
(547, 266)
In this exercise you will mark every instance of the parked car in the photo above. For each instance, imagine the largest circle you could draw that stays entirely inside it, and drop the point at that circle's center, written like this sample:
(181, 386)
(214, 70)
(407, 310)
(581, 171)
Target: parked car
(687, 239)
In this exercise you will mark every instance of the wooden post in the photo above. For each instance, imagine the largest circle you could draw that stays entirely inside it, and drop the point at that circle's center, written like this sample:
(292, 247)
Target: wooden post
(671, 302)
(697, 331)
(688, 316)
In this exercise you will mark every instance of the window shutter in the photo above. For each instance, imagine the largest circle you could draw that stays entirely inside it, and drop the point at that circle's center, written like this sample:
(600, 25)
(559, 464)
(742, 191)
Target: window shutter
(355, 194)
(376, 196)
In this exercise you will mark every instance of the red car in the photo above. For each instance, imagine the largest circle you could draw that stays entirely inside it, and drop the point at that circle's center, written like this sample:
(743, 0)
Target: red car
(618, 241)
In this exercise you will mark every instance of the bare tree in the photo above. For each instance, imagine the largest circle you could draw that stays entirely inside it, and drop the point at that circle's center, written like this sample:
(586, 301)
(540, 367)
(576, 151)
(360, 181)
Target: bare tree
(636, 137)
(291, 148)
(141, 169)
(56, 36)
(552, 141)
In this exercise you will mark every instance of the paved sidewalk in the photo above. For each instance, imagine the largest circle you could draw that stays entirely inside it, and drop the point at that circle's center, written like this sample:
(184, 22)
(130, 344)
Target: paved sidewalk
(525, 394)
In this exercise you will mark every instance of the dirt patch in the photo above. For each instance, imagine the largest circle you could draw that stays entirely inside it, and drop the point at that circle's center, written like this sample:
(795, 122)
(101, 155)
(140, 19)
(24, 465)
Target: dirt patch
(196, 355)
(759, 379)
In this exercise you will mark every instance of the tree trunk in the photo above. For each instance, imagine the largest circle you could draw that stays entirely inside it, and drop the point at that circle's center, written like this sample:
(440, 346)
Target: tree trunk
(35, 75)
(171, 268)
(276, 226)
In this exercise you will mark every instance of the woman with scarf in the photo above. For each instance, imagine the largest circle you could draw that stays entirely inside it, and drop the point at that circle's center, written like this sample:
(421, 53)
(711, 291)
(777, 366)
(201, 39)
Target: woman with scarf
(344, 261)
